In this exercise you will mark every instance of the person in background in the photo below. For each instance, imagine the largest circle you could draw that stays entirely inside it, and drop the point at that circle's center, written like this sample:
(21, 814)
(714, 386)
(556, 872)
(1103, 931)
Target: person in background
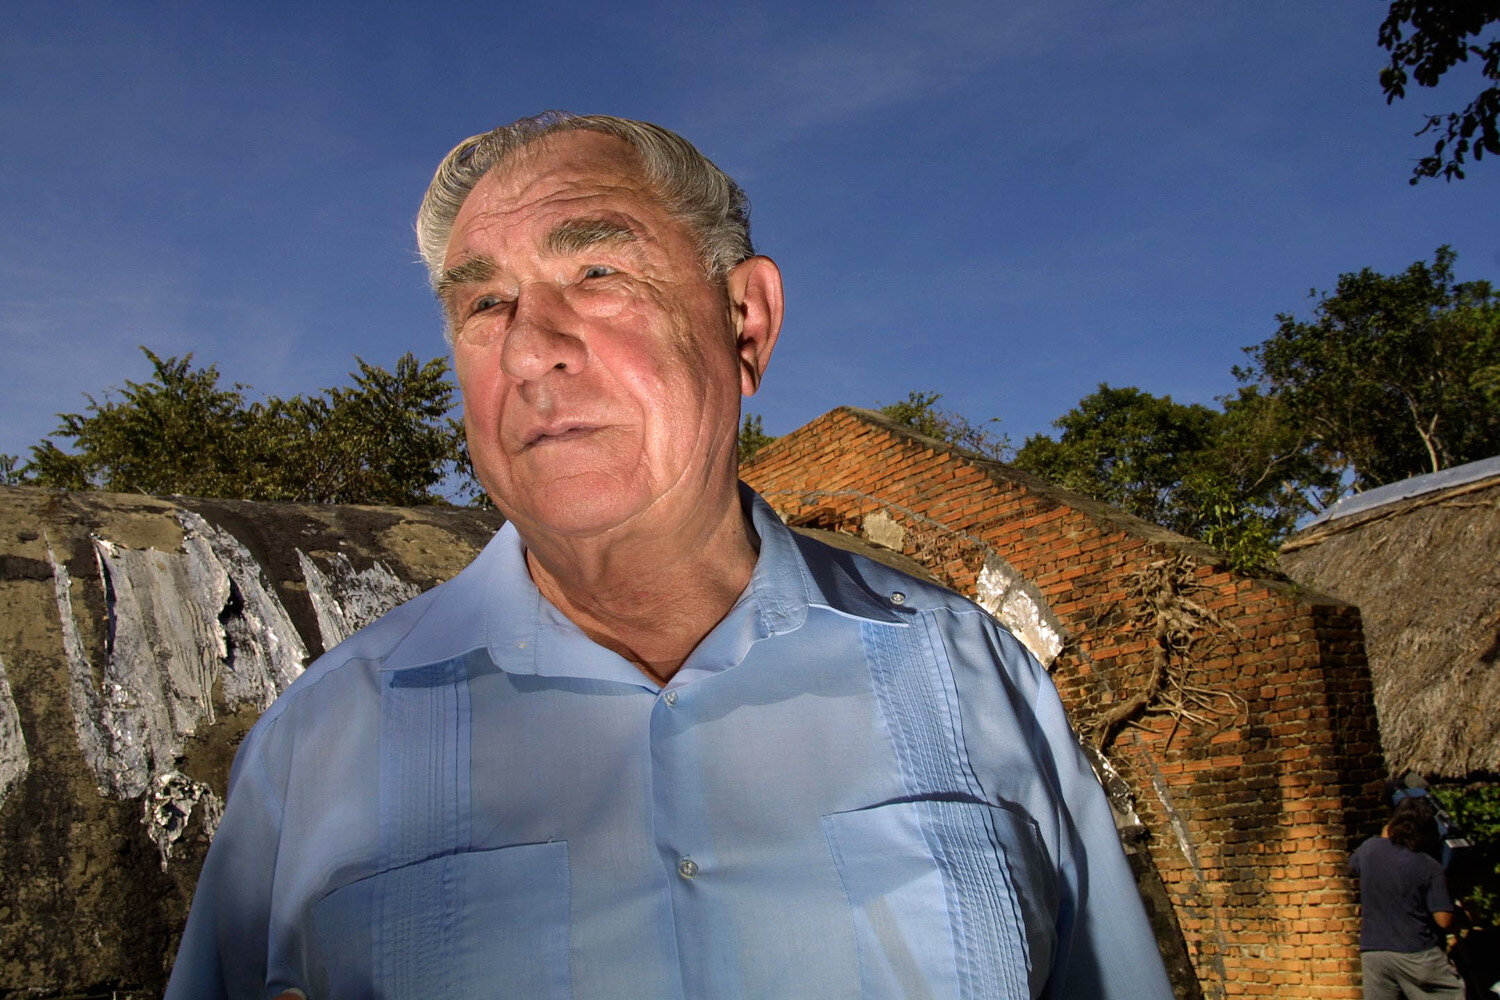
(1404, 910)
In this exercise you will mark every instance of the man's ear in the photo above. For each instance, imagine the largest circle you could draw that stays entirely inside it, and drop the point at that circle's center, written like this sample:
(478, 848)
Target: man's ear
(756, 306)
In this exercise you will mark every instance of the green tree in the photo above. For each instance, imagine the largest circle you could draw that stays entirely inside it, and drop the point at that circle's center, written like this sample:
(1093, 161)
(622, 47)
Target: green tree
(1476, 809)
(1427, 38)
(180, 432)
(11, 473)
(1393, 376)
(1237, 477)
(1128, 448)
(753, 437)
(920, 412)
(386, 439)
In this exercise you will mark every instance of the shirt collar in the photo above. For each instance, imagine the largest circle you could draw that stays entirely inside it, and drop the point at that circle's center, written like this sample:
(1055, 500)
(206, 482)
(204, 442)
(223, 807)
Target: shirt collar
(800, 573)
(493, 604)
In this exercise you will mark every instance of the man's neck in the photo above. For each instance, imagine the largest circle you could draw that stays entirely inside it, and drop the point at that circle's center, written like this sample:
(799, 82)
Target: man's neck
(650, 599)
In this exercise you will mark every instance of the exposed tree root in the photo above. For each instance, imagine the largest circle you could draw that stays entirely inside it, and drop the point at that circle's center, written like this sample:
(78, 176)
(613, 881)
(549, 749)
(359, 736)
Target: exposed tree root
(1182, 631)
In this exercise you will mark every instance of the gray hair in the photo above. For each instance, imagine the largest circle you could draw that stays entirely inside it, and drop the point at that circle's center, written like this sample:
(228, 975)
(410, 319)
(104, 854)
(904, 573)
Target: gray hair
(700, 195)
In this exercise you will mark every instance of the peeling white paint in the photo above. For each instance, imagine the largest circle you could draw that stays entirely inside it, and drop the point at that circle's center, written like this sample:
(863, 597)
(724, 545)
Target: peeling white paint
(345, 600)
(1020, 607)
(183, 628)
(14, 760)
(170, 806)
(164, 652)
(266, 653)
(1116, 789)
(83, 690)
(882, 529)
(1179, 826)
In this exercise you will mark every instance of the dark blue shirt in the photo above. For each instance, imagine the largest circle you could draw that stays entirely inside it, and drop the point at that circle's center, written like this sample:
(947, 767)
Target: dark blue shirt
(1399, 891)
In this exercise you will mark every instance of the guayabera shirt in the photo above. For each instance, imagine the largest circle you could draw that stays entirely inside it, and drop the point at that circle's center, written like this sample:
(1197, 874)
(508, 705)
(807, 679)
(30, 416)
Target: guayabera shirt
(858, 785)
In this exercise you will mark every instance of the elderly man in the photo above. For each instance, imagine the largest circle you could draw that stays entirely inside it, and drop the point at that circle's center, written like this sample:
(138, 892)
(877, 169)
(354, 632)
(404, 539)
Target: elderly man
(651, 744)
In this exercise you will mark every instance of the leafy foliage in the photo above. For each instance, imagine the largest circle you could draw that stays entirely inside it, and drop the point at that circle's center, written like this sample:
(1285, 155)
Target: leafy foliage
(1476, 810)
(920, 412)
(1232, 477)
(386, 439)
(1127, 448)
(179, 432)
(1394, 375)
(753, 437)
(10, 470)
(1440, 38)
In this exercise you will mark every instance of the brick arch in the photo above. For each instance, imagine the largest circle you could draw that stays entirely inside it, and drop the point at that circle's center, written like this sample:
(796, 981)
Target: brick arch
(1248, 813)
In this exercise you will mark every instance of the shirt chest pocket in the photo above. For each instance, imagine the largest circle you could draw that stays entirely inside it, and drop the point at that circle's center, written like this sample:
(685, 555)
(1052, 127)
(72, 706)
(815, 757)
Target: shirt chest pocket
(482, 923)
(950, 899)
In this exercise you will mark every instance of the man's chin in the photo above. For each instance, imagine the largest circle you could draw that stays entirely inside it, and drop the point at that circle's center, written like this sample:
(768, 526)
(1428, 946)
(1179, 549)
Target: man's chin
(578, 508)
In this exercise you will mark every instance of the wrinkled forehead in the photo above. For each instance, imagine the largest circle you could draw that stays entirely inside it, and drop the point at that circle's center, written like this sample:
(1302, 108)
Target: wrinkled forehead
(577, 163)
(559, 180)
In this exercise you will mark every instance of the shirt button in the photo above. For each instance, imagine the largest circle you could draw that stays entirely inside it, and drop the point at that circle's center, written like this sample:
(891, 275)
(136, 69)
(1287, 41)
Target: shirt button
(670, 698)
(897, 597)
(687, 867)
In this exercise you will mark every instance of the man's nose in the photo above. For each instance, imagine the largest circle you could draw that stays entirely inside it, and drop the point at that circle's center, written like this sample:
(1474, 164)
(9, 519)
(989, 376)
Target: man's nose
(543, 336)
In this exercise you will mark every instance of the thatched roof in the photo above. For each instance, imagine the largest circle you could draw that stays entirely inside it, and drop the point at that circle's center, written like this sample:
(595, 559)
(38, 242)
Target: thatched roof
(1421, 559)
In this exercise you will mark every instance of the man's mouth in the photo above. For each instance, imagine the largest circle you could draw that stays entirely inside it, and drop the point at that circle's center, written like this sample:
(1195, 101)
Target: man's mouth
(558, 433)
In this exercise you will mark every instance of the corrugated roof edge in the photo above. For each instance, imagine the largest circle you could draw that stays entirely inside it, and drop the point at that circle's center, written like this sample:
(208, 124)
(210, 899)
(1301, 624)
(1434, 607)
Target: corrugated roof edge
(1443, 479)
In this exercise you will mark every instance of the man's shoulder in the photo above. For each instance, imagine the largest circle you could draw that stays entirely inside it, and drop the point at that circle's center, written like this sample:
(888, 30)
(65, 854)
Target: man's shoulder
(836, 567)
(364, 652)
(980, 652)
(1387, 852)
(1367, 849)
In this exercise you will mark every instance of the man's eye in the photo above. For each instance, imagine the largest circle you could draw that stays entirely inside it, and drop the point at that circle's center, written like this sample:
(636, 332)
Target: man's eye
(484, 303)
(598, 271)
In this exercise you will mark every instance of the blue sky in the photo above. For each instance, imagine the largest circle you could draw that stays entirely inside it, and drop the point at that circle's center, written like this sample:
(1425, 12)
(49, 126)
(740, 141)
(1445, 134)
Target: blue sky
(1005, 203)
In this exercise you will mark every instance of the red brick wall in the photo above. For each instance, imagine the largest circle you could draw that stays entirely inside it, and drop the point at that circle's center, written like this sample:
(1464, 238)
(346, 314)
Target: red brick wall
(1253, 807)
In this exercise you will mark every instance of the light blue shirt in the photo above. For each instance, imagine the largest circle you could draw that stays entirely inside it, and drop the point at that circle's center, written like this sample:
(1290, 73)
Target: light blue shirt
(858, 785)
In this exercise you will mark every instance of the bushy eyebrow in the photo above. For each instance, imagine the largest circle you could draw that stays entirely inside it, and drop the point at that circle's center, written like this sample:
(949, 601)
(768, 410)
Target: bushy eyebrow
(568, 237)
(575, 235)
(471, 271)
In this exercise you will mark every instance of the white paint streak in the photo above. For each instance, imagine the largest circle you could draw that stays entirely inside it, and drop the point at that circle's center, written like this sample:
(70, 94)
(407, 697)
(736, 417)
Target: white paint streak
(1116, 789)
(345, 600)
(1020, 607)
(165, 650)
(187, 630)
(170, 806)
(1179, 826)
(266, 653)
(83, 690)
(14, 760)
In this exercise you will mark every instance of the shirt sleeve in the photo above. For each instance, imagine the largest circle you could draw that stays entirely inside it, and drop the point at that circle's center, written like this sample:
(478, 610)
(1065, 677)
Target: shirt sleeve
(1105, 946)
(223, 952)
(1438, 900)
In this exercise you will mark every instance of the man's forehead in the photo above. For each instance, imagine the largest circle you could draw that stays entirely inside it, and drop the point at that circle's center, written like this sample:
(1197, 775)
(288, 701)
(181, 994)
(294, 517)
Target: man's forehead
(579, 162)
(573, 174)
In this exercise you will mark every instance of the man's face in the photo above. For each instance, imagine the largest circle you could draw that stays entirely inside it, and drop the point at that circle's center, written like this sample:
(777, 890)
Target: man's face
(599, 366)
